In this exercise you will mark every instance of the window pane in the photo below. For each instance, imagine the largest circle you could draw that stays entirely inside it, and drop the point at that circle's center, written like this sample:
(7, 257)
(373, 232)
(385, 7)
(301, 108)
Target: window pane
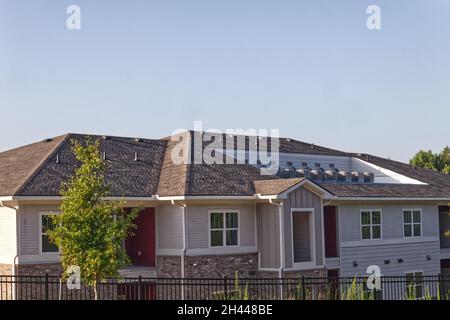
(47, 246)
(232, 237)
(365, 232)
(216, 220)
(376, 217)
(407, 229)
(407, 217)
(416, 216)
(417, 230)
(232, 219)
(46, 223)
(376, 232)
(365, 217)
(216, 238)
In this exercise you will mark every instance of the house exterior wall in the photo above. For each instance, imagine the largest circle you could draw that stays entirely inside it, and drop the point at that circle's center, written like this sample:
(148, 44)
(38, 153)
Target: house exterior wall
(8, 238)
(169, 230)
(444, 225)
(268, 226)
(303, 198)
(197, 222)
(415, 254)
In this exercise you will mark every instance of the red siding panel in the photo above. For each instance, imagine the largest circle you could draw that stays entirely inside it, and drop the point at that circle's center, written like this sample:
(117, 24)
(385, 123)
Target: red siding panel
(330, 229)
(141, 246)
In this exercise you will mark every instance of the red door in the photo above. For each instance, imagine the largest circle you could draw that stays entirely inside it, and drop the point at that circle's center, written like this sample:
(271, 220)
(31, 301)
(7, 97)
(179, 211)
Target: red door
(330, 229)
(140, 247)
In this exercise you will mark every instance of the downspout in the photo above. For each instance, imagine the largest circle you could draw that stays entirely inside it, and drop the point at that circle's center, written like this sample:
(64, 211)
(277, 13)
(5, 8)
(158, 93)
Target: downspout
(281, 239)
(16, 257)
(183, 251)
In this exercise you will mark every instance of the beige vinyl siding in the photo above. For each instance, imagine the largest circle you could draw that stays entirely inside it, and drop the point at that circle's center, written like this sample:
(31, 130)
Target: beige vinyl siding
(198, 224)
(29, 227)
(170, 227)
(268, 235)
(8, 239)
(303, 198)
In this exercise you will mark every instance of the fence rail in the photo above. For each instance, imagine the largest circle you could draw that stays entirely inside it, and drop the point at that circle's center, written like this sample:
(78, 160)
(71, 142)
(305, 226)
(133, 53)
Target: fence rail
(389, 288)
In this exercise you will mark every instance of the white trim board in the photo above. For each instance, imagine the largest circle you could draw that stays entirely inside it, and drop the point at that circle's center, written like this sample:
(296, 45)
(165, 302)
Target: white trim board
(382, 242)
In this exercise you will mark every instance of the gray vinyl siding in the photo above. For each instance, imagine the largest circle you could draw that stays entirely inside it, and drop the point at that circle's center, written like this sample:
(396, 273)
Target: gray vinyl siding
(391, 221)
(8, 237)
(170, 227)
(393, 245)
(303, 198)
(198, 224)
(414, 257)
(268, 224)
(444, 223)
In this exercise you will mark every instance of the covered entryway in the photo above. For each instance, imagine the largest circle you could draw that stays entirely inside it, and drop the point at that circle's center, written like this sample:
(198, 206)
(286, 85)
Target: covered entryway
(140, 247)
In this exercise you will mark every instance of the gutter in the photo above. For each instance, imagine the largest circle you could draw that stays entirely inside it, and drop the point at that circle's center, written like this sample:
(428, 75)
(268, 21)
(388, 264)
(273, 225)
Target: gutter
(16, 257)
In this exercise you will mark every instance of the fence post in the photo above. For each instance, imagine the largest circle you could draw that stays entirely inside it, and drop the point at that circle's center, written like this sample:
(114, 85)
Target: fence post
(140, 288)
(46, 286)
(303, 288)
(225, 287)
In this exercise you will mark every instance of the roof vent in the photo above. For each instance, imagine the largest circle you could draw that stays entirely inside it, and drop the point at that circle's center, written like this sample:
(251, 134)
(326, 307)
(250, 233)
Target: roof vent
(47, 140)
(343, 176)
(288, 139)
(138, 140)
(57, 158)
(104, 155)
(312, 145)
(105, 137)
(136, 156)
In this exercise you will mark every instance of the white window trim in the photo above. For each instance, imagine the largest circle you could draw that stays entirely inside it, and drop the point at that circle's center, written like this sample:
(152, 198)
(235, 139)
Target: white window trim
(361, 225)
(224, 211)
(412, 223)
(312, 244)
(45, 213)
(423, 284)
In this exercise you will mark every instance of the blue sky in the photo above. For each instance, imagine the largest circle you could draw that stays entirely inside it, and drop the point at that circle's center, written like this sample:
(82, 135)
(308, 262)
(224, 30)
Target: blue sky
(310, 68)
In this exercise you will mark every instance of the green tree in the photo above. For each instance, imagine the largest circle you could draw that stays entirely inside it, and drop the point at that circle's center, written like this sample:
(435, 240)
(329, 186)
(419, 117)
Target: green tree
(433, 161)
(90, 230)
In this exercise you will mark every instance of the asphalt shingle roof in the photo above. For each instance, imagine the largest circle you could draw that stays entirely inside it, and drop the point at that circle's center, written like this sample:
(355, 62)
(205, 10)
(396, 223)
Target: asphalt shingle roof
(33, 170)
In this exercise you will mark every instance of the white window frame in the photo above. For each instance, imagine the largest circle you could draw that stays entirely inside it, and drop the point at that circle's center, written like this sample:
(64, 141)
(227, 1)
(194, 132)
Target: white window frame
(41, 214)
(371, 224)
(412, 223)
(224, 233)
(415, 285)
(312, 238)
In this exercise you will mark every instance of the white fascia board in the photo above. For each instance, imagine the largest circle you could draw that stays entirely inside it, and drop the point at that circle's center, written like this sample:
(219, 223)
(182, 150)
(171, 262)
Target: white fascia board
(390, 199)
(392, 174)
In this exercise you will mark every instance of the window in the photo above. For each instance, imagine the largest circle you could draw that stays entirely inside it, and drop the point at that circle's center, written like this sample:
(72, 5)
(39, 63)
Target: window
(414, 284)
(46, 245)
(371, 224)
(224, 228)
(412, 223)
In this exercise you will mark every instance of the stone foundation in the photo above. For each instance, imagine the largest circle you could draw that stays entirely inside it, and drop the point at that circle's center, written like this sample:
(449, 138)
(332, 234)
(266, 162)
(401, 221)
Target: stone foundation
(168, 266)
(52, 269)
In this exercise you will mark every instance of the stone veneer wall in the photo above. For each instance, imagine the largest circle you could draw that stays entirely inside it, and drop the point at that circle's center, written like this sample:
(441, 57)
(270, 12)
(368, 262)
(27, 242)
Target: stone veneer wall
(168, 266)
(5, 269)
(218, 266)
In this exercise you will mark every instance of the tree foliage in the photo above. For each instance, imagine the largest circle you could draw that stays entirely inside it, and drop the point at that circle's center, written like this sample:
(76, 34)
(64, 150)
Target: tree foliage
(90, 231)
(433, 161)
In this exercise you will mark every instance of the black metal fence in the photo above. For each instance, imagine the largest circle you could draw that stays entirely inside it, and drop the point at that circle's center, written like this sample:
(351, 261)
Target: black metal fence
(304, 288)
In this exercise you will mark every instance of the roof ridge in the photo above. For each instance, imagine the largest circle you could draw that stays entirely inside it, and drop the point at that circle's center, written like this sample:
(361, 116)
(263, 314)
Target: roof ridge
(42, 163)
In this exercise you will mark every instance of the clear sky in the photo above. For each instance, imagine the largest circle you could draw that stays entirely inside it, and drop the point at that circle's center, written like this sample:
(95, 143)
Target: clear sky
(310, 68)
